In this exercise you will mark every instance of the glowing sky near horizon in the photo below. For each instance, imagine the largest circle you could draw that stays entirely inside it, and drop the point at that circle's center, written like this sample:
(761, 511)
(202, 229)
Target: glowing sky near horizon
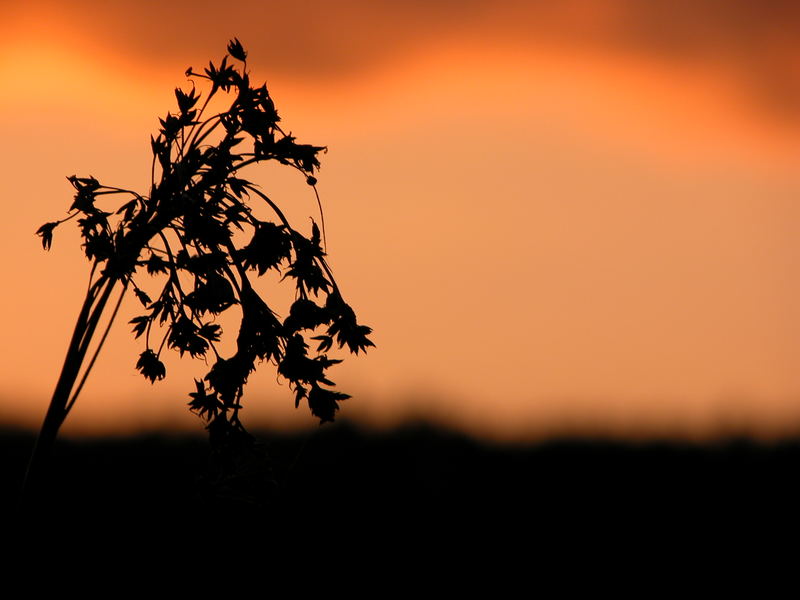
(556, 220)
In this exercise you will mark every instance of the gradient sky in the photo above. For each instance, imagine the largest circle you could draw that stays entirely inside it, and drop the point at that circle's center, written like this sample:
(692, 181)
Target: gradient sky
(572, 217)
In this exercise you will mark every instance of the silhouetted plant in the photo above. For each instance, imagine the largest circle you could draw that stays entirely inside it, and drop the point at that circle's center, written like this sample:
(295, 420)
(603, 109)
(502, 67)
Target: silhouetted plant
(187, 231)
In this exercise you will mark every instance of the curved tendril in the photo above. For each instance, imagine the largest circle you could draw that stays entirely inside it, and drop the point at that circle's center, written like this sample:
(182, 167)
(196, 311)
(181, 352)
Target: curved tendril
(322, 219)
(272, 205)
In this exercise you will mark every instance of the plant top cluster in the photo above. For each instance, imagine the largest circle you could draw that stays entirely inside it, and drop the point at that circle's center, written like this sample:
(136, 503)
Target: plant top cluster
(187, 232)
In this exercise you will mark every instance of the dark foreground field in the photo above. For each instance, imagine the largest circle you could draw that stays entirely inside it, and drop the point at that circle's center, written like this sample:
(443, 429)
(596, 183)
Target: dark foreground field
(340, 483)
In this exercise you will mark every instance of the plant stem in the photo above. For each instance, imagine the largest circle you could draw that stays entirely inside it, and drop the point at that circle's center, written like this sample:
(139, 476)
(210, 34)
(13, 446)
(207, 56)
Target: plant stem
(96, 298)
(88, 369)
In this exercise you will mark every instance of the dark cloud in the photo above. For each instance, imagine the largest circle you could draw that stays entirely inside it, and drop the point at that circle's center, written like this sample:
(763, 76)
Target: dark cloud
(313, 38)
(755, 41)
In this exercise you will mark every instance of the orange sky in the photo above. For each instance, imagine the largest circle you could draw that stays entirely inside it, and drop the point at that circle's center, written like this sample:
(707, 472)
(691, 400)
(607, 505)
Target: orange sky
(580, 218)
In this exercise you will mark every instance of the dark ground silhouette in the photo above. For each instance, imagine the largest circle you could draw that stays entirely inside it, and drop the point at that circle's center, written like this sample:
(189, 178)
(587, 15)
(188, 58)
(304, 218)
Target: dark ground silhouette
(415, 494)
(340, 478)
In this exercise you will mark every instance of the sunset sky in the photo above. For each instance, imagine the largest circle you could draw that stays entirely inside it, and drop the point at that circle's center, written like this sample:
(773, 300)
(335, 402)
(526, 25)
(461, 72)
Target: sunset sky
(566, 217)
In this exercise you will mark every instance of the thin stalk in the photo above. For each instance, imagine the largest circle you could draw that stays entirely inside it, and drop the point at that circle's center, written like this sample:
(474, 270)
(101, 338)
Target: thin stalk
(78, 389)
(85, 326)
